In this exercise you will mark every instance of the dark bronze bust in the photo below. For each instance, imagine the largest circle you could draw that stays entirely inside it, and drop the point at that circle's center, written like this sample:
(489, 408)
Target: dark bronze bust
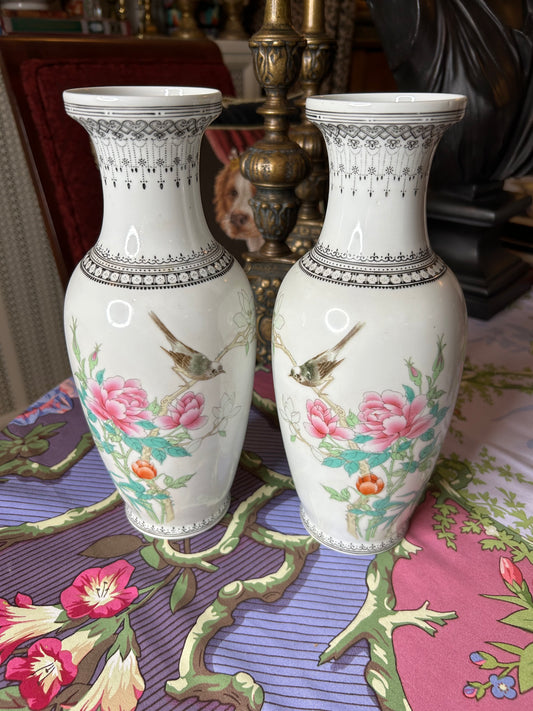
(481, 48)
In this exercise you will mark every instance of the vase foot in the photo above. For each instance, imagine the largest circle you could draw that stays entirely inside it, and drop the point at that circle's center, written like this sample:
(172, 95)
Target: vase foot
(356, 547)
(159, 530)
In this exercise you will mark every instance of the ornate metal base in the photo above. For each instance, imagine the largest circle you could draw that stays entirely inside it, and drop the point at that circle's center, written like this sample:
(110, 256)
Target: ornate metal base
(265, 275)
(355, 548)
(304, 236)
(178, 532)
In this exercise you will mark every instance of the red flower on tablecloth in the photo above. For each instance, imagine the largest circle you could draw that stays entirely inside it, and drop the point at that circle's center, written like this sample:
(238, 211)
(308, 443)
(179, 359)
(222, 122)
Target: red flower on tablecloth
(124, 402)
(185, 411)
(119, 686)
(144, 469)
(510, 572)
(391, 416)
(323, 422)
(42, 673)
(100, 592)
(24, 621)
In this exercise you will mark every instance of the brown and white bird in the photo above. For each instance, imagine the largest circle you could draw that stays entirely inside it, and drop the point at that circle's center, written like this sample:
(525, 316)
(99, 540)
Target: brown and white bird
(188, 361)
(316, 372)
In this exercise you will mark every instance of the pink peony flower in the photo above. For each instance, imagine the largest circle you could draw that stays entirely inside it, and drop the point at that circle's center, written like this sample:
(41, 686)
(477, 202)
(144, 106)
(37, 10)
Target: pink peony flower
(323, 422)
(390, 416)
(43, 672)
(123, 402)
(100, 592)
(24, 621)
(186, 411)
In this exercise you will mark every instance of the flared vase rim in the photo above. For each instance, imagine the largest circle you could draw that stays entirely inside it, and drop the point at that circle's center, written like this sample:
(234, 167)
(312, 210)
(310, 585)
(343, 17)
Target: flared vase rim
(115, 96)
(393, 103)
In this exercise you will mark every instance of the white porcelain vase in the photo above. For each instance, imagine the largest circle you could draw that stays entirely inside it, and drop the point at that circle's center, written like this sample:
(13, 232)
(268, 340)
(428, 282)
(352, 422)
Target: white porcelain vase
(159, 318)
(369, 326)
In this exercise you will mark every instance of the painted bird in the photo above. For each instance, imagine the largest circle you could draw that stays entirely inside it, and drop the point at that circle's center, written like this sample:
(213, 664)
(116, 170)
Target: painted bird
(316, 372)
(187, 361)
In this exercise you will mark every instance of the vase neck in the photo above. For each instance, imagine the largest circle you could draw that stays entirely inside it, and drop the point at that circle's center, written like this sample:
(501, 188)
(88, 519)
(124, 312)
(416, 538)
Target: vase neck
(378, 184)
(149, 166)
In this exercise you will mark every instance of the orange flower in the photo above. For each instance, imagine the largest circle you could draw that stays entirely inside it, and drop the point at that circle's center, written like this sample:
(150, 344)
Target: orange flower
(369, 484)
(144, 469)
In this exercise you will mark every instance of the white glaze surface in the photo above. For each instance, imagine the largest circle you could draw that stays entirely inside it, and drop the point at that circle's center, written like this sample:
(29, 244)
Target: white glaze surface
(362, 436)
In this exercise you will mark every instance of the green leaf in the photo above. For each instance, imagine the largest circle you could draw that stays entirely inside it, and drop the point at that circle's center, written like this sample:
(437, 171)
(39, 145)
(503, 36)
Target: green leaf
(409, 393)
(353, 420)
(441, 414)
(159, 455)
(427, 435)
(157, 442)
(99, 377)
(362, 438)
(351, 467)
(183, 591)
(525, 670)
(154, 407)
(179, 483)
(410, 466)
(427, 451)
(493, 544)
(145, 424)
(343, 495)
(222, 433)
(133, 443)
(523, 619)
(333, 462)
(177, 452)
(375, 460)
(152, 557)
(354, 455)
(108, 447)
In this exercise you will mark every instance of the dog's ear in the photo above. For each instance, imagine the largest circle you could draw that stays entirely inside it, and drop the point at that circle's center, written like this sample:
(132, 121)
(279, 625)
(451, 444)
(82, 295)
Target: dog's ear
(220, 200)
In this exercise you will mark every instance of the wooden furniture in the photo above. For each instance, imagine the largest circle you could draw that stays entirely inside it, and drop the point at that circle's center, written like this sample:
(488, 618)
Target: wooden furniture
(38, 70)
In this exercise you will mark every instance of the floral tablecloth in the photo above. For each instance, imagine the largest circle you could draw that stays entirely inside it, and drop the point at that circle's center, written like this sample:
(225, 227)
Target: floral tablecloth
(254, 614)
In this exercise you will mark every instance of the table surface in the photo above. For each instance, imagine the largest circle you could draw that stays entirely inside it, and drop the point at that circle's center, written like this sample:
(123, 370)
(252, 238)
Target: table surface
(254, 613)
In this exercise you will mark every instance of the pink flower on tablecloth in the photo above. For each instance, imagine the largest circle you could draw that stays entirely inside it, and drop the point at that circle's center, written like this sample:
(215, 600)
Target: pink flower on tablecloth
(100, 592)
(185, 411)
(323, 422)
(390, 416)
(510, 572)
(122, 401)
(119, 686)
(43, 672)
(24, 621)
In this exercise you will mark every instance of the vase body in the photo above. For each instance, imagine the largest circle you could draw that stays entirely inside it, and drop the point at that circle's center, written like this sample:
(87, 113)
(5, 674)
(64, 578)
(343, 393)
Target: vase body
(369, 326)
(159, 317)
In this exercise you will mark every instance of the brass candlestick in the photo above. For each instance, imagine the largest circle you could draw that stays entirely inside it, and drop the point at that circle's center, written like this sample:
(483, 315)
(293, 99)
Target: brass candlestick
(275, 164)
(188, 28)
(233, 28)
(316, 63)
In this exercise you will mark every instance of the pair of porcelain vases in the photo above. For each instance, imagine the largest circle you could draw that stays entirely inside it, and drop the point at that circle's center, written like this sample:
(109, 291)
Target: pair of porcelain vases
(368, 334)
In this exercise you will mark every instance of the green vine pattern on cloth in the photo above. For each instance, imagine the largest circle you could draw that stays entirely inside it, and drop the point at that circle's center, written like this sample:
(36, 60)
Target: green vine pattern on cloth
(107, 646)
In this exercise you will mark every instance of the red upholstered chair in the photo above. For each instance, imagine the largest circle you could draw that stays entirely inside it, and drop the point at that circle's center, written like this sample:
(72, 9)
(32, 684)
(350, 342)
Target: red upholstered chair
(38, 70)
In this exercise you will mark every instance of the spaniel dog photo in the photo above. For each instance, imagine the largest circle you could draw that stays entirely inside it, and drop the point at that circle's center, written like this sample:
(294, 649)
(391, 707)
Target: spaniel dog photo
(233, 213)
